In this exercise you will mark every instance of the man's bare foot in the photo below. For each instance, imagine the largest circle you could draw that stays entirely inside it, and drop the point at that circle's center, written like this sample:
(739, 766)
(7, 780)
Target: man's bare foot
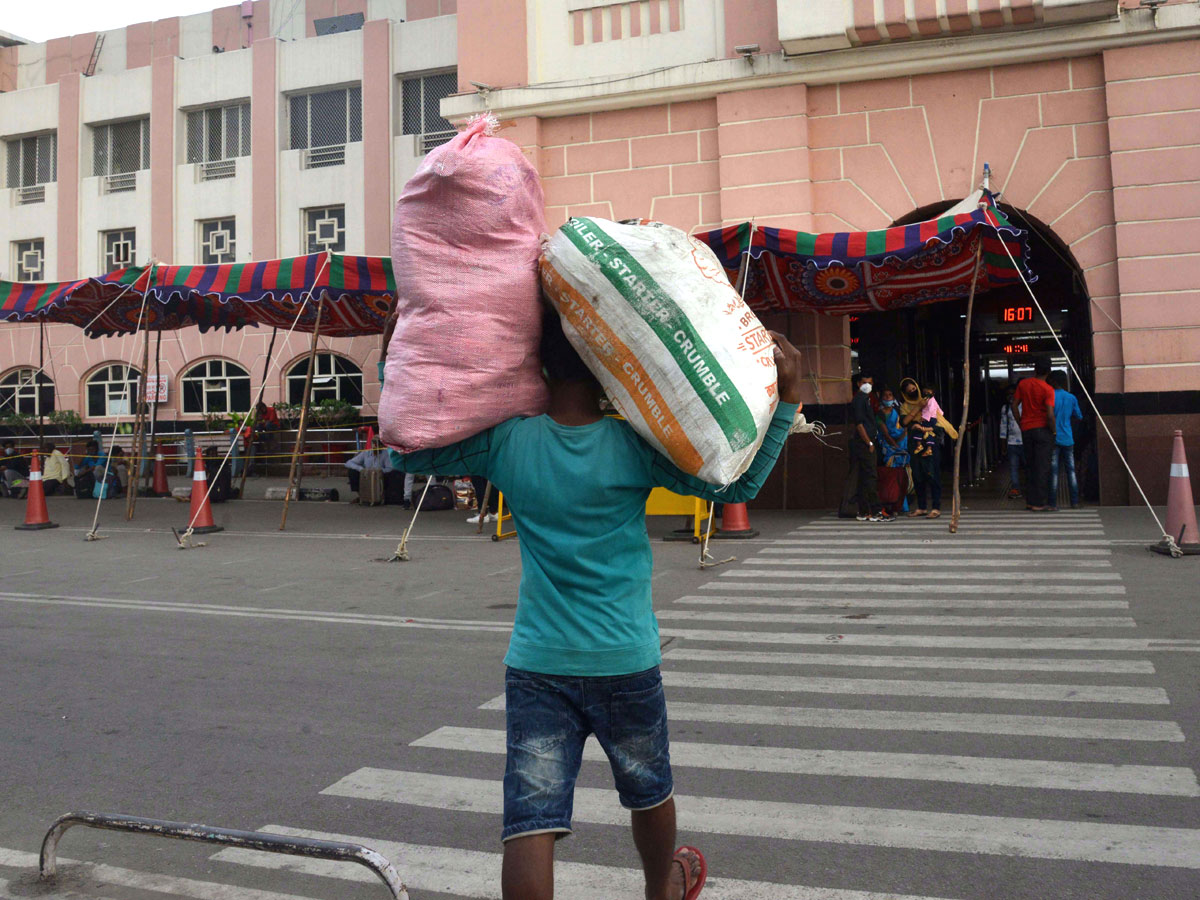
(681, 877)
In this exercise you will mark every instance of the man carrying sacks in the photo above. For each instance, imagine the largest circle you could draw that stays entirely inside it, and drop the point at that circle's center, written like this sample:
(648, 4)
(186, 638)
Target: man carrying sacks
(584, 653)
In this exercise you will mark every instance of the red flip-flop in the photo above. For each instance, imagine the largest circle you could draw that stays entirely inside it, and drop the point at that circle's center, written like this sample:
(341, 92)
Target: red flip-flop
(691, 885)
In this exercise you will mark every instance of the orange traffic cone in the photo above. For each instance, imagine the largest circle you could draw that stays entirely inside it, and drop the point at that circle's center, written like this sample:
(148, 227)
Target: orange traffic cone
(37, 516)
(1181, 511)
(200, 516)
(160, 487)
(735, 523)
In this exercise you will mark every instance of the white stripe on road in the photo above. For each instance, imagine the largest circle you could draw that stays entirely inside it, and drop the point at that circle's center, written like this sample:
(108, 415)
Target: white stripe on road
(880, 540)
(899, 687)
(1167, 781)
(862, 825)
(903, 602)
(132, 878)
(936, 621)
(995, 663)
(474, 873)
(889, 578)
(1044, 534)
(862, 554)
(962, 562)
(1136, 645)
(951, 588)
(1071, 727)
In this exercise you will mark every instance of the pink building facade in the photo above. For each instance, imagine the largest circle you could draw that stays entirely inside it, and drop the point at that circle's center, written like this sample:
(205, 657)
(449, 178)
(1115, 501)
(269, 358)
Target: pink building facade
(807, 114)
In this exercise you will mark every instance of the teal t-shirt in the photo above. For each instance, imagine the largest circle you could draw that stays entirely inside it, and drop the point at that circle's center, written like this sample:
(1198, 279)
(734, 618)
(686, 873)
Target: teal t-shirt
(578, 499)
(1066, 408)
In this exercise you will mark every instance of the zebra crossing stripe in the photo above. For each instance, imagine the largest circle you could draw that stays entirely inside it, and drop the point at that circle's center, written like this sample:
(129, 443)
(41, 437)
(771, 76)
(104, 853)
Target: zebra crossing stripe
(893, 687)
(890, 577)
(901, 603)
(855, 551)
(935, 621)
(1141, 845)
(939, 563)
(474, 873)
(1168, 781)
(994, 663)
(1030, 588)
(958, 642)
(1069, 727)
(881, 541)
(1045, 534)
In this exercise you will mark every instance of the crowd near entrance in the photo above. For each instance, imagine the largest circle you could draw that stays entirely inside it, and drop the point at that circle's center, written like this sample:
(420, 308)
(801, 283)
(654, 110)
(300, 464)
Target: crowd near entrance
(1007, 333)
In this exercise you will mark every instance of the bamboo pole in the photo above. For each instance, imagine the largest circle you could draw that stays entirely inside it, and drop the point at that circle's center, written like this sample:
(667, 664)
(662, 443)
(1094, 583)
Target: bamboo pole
(304, 404)
(139, 427)
(962, 426)
(37, 382)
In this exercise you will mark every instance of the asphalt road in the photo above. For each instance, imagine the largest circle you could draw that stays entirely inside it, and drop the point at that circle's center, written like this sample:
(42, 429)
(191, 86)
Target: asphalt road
(859, 712)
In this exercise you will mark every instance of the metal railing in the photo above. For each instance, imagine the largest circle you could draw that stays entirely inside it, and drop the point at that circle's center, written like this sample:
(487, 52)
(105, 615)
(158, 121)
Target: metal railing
(207, 834)
(320, 157)
(34, 193)
(216, 170)
(116, 184)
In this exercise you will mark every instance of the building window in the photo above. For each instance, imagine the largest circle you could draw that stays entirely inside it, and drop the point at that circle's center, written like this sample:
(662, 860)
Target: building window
(26, 391)
(421, 116)
(215, 386)
(335, 378)
(121, 147)
(112, 391)
(29, 259)
(218, 132)
(33, 160)
(218, 241)
(322, 123)
(325, 229)
(119, 248)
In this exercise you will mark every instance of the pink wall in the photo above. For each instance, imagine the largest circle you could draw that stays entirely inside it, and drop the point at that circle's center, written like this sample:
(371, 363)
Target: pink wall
(8, 68)
(68, 54)
(751, 22)
(427, 9)
(231, 32)
(492, 44)
(162, 159)
(264, 149)
(147, 40)
(377, 136)
(69, 88)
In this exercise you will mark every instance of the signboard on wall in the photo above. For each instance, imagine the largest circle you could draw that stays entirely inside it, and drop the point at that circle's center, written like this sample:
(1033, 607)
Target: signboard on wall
(156, 388)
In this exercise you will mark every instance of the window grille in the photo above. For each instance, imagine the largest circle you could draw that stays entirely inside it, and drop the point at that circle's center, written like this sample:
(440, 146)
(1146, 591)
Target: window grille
(112, 390)
(218, 241)
(216, 386)
(218, 133)
(29, 259)
(335, 378)
(121, 147)
(33, 160)
(325, 229)
(421, 114)
(120, 248)
(325, 119)
(26, 391)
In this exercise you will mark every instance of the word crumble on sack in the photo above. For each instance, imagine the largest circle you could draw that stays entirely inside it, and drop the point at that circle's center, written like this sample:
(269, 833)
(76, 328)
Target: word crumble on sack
(653, 315)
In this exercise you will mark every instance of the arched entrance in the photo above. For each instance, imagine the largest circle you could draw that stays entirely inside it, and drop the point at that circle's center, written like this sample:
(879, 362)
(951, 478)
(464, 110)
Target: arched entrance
(1007, 332)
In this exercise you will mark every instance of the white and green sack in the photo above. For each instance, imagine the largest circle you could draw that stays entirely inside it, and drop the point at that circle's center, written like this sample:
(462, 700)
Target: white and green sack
(652, 313)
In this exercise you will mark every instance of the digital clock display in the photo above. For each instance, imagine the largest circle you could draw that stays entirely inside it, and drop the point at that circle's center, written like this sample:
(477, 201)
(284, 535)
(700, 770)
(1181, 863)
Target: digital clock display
(1016, 348)
(1016, 314)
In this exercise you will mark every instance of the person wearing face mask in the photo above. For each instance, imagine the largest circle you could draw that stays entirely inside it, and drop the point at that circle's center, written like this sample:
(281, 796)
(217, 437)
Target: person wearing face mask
(926, 468)
(860, 496)
(892, 441)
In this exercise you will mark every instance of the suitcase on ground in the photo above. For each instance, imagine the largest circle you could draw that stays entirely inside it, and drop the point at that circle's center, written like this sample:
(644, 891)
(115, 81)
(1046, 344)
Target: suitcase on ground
(438, 497)
(370, 487)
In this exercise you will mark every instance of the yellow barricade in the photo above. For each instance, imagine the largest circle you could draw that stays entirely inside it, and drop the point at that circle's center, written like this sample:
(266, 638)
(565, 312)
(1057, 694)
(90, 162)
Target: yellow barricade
(667, 503)
(501, 518)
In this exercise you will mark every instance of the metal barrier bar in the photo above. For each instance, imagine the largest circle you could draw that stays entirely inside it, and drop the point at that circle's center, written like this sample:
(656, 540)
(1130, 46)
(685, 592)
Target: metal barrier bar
(207, 834)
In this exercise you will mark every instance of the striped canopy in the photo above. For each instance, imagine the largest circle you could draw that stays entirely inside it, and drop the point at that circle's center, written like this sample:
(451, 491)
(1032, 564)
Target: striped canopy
(839, 273)
(358, 291)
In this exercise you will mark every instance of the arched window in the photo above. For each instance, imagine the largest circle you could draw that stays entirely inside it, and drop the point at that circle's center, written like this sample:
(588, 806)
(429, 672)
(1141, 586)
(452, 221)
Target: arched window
(335, 378)
(112, 391)
(26, 391)
(215, 386)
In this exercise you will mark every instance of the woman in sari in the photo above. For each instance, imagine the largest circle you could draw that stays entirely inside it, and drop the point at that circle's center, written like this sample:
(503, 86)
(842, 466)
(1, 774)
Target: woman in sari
(893, 440)
(926, 469)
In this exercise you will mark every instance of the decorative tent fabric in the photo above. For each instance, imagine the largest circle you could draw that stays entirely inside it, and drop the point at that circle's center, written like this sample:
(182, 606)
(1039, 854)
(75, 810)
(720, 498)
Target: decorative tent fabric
(230, 295)
(839, 273)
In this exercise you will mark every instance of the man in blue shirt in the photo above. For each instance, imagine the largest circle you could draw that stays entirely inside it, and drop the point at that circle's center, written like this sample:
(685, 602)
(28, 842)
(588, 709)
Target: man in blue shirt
(1066, 411)
(584, 653)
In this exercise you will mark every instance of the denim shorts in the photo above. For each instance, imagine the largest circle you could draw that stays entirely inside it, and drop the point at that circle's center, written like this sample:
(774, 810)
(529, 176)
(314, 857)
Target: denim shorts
(550, 717)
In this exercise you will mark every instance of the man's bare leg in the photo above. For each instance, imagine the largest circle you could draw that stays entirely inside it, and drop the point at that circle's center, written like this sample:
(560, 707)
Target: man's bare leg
(654, 837)
(528, 870)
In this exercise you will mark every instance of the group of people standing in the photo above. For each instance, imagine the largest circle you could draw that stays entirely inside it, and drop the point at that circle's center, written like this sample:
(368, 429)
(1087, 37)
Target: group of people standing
(894, 433)
(1037, 427)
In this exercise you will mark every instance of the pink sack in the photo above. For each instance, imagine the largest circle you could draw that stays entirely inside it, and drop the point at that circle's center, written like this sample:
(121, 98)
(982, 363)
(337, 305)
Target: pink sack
(464, 354)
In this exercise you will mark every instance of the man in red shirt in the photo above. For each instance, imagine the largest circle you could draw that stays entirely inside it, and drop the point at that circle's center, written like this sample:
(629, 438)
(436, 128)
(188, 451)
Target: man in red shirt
(1035, 399)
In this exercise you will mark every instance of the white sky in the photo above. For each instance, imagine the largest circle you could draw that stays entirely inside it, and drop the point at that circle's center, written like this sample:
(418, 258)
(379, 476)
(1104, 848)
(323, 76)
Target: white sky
(40, 20)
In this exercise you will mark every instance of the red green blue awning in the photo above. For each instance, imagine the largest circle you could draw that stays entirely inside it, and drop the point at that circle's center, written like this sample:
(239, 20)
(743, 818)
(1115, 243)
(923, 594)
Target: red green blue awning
(839, 273)
(358, 290)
